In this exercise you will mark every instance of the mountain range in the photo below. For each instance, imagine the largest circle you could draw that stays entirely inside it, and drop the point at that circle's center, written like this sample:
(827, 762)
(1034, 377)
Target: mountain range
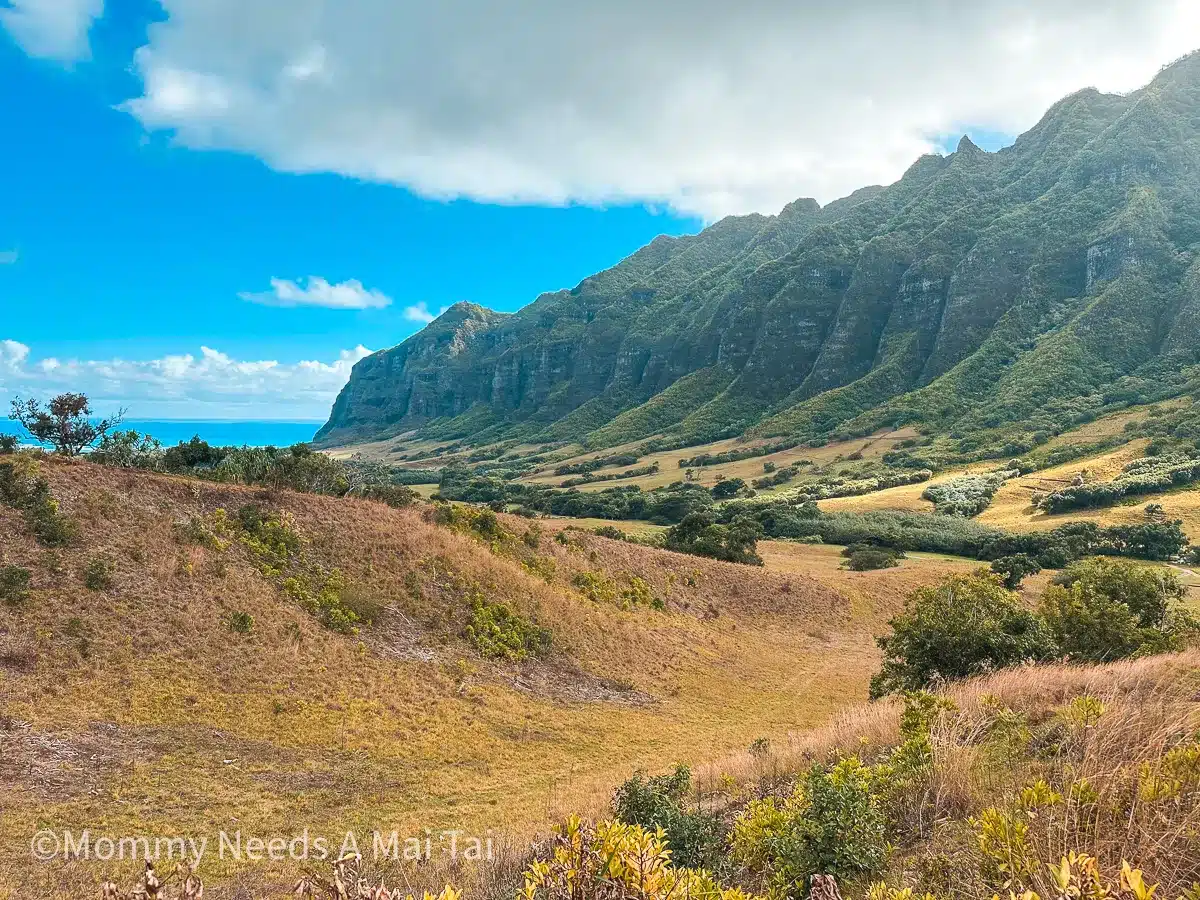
(1012, 292)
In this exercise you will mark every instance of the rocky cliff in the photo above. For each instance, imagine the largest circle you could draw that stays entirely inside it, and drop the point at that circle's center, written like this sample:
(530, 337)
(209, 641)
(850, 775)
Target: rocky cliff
(1024, 286)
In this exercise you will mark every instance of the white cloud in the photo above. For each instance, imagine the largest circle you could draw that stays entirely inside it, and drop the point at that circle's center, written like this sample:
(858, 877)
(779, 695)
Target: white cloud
(319, 292)
(12, 355)
(709, 106)
(209, 385)
(55, 29)
(419, 312)
(8, 257)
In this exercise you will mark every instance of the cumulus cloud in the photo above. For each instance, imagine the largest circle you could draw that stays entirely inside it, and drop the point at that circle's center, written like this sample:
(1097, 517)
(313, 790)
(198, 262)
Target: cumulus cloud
(708, 106)
(55, 29)
(8, 257)
(319, 292)
(419, 312)
(211, 384)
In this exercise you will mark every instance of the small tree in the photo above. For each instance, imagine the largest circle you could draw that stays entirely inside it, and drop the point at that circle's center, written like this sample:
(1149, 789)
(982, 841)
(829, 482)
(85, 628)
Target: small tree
(1014, 569)
(1104, 609)
(967, 625)
(65, 423)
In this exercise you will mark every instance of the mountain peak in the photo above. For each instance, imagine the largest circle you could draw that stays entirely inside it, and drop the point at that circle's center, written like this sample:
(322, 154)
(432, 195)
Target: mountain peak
(966, 145)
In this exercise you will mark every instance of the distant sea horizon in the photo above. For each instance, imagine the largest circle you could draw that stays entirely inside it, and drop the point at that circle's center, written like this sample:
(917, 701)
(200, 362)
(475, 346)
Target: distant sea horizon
(219, 432)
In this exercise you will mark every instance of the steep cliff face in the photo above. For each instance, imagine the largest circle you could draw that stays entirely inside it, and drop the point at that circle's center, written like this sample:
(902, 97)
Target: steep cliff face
(980, 288)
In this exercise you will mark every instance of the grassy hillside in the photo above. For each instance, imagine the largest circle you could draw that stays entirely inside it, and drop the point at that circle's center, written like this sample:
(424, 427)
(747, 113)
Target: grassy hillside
(186, 689)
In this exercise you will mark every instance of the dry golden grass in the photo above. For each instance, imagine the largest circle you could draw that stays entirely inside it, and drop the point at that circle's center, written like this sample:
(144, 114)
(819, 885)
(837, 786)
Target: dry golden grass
(1006, 732)
(141, 711)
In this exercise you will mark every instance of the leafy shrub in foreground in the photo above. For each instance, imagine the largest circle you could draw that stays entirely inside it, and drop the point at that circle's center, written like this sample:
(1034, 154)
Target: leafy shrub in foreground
(967, 625)
(616, 860)
(833, 823)
(693, 836)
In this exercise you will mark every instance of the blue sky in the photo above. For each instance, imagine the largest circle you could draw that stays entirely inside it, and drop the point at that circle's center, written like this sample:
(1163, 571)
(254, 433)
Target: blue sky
(130, 246)
(216, 206)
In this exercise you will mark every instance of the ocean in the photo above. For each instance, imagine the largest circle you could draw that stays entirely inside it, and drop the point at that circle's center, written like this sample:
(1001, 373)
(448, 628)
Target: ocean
(219, 433)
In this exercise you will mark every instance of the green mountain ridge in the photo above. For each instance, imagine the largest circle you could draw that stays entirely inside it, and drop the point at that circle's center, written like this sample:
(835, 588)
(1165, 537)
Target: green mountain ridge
(1013, 290)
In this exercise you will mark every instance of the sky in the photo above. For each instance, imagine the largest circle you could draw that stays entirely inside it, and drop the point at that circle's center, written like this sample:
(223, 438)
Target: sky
(213, 208)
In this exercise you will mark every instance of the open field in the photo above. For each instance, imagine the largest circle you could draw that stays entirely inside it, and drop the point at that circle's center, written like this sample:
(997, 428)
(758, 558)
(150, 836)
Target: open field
(669, 469)
(135, 707)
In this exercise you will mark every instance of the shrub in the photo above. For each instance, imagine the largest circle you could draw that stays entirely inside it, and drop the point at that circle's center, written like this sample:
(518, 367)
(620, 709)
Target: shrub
(240, 622)
(1014, 569)
(362, 602)
(693, 837)
(14, 585)
(499, 633)
(699, 535)
(599, 588)
(98, 574)
(1150, 475)
(1105, 609)
(609, 531)
(396, 496)
(967, 625)
(23, 488)
(727, 488)
(968, 495)
(8, 444)
(616, 860)
(128, 450)
(867, 557)
(270, 536)
(833, 823)
(326, 603)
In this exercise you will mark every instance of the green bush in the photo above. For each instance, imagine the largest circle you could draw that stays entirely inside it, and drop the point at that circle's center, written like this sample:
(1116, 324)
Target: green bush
(98, 574)
(728, 487)
(694, 837)
(396, 496)
(1014, 569)
(967, 625)
(327, 603)
(14, 585)
(270, 536)
(699, 535)
(1105, 609)
(834, 823)
(240, 622)
(1151, 475)
(128, 450)
(867, 557)
(8, 444)
(499, 633)
(23, 488)
(968, 495)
